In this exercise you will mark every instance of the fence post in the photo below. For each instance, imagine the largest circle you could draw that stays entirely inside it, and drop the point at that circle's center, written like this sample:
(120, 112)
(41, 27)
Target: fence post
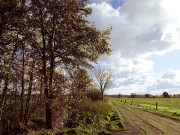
(156, 105)
(125, 101)
(131, 102)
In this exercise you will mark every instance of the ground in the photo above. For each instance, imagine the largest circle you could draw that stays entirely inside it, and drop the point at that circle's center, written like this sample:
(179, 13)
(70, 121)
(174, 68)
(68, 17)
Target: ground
(139, 122)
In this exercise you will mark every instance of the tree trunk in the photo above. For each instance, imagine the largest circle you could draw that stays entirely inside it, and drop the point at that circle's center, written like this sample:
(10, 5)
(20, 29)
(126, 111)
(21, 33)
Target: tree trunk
(41, 87)
(47, 99)
(102, 95)
(16, 90)
(22, 83)
(2, 24)
(5, 89)
(48, 116)
(3, 104)
(26, 116)
(46, 91)
(6, 81)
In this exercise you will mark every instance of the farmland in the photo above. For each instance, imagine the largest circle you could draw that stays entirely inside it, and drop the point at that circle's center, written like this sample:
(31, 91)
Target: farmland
(140, 122)
(167, 107)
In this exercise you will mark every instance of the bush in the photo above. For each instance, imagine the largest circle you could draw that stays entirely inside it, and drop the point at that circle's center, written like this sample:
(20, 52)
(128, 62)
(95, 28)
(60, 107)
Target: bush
(98, 118)
(166, 95)
(13, 128)
(94, 95)
(147, 95)
(94, 118)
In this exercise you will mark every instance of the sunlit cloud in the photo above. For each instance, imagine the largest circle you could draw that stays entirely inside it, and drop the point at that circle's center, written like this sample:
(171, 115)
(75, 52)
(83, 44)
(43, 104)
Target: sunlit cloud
(140, 29)
(169, 81)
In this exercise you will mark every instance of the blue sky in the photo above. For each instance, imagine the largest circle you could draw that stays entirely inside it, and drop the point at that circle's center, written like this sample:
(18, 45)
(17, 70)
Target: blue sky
(165, 62)
(145, 41)
(115, 3)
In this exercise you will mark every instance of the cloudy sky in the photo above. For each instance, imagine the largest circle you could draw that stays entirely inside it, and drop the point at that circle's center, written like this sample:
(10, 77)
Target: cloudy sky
(145, 41)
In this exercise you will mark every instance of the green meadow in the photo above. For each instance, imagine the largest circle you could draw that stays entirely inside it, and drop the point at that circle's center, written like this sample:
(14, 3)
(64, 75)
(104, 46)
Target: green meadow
(167, 107)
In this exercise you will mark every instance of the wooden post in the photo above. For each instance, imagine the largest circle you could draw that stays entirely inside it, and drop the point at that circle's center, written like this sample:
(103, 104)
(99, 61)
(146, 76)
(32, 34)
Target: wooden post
(125, 101)
(156, 105)
(131, 102)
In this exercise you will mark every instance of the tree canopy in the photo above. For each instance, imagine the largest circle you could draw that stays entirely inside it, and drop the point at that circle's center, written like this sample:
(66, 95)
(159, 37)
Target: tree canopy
(36, 38)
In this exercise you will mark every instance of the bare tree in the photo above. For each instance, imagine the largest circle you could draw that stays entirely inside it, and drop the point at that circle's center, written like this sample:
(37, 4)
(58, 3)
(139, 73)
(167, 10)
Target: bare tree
(103, 78)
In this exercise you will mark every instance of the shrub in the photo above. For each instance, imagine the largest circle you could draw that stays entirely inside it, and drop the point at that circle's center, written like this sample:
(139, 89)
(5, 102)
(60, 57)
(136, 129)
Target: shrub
(166, 95)
(13, 128)
(94, 95)
(94, 118)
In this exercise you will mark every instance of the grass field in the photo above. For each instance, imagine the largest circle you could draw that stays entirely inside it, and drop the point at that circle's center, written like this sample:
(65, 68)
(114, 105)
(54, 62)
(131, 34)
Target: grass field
(165, 106)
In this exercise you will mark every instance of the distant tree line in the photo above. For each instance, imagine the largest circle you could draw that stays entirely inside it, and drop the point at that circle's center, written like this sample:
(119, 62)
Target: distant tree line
(134, 95)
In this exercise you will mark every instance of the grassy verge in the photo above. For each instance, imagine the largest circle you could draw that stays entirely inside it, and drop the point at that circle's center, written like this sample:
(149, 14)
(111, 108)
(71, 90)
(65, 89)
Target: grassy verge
(98, 118)
(120, 117)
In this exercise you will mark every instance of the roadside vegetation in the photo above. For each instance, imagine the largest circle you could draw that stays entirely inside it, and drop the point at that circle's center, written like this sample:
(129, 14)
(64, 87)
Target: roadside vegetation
(167, 107)
(94, 118)
(47, 48)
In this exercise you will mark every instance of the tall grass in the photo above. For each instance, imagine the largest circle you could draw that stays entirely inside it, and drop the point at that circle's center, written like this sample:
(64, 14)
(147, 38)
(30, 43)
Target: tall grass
(94, 118)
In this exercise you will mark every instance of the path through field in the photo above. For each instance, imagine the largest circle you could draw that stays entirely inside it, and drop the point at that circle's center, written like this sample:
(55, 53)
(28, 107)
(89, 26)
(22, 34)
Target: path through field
(139, 122)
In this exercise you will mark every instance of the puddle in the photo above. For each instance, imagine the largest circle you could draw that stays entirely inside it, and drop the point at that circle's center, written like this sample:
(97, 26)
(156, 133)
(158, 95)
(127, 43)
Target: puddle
(152, 106)
(145, 105)
(159, 107)
(175, 111)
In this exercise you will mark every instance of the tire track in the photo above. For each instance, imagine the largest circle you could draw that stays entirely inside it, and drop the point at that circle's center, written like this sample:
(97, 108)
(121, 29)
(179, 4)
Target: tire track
(164, 124)
(145, 127)
(132, 129)
(164, 121)
(148, 123)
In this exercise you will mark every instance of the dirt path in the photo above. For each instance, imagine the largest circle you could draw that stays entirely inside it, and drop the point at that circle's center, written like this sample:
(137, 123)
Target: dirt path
(139, 122)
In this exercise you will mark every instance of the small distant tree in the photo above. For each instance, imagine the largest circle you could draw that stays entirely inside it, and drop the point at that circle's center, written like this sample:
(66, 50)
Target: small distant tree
(94, 94)
(133, 95)
(119, 95)
(103, 78)
(147, 95)
(166, 95)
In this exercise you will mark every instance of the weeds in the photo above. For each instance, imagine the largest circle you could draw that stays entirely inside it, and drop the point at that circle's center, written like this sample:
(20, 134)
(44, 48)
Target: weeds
(94, 118)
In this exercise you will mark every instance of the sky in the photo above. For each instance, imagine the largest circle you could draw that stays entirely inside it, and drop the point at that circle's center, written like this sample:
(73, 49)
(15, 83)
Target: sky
(145, 40)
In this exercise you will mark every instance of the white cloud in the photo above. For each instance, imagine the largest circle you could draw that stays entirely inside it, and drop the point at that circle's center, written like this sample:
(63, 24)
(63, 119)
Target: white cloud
(141, 80)
(140, 28)
(133, 65)
(171, 74)
(145, 83)
(131, 74)
(170, 81)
